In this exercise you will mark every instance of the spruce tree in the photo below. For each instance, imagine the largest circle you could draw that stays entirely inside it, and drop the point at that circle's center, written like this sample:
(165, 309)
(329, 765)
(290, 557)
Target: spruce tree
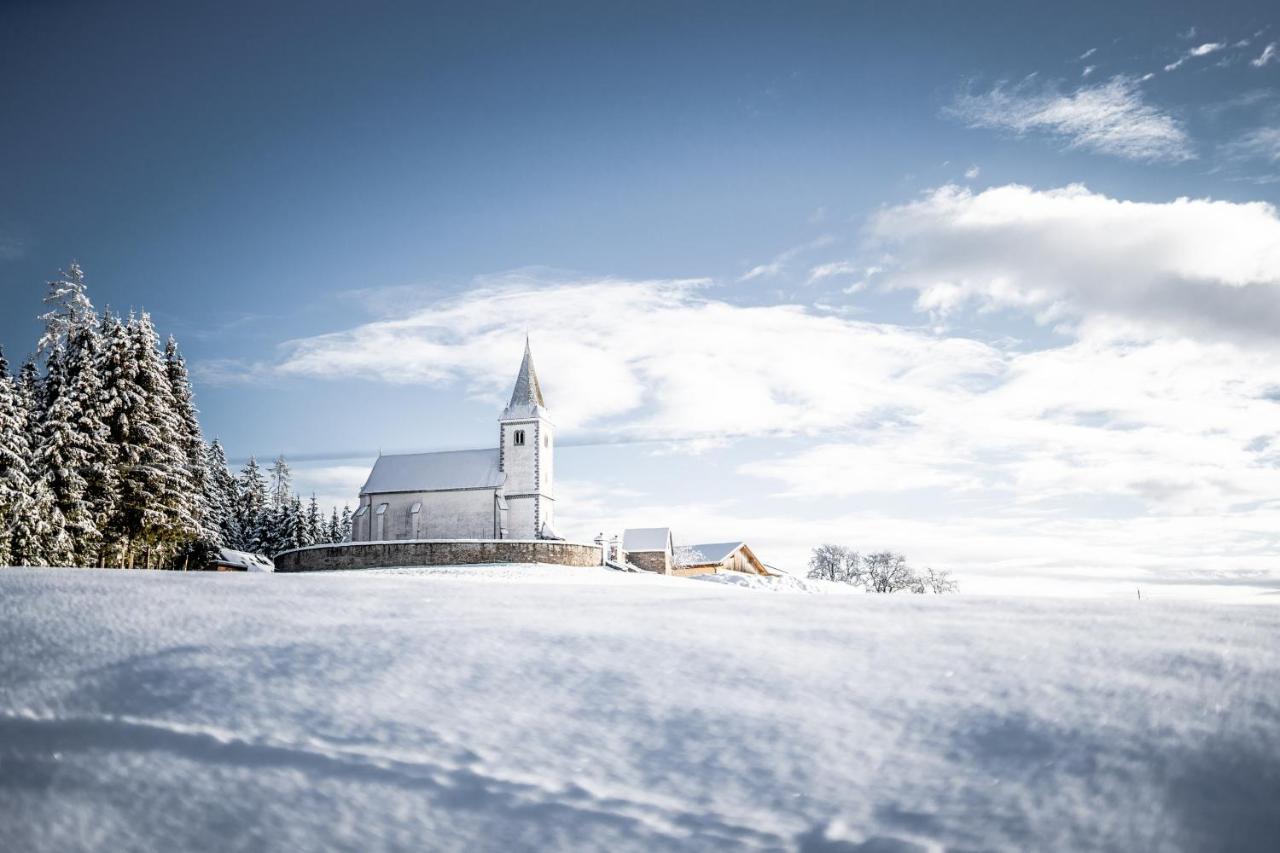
(250, 508)
(220, 497)
(122, 407)
(191, 441)
(333, 533)
(70, 309)
(345, 533)
(72, 453)
(15, 484)
(159, 487)
(315, 523)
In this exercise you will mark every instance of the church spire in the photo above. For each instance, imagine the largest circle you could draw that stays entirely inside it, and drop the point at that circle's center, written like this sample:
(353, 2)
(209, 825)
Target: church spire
(526, 399)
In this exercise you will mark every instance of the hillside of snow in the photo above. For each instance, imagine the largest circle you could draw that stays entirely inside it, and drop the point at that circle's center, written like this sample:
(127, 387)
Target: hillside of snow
(541, 708)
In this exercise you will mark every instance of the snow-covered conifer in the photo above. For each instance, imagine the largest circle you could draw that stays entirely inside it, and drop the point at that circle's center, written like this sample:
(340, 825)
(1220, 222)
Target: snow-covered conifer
(315, 523)
(220, 497)
(15, 483)
(250, 507)
(190, 439)
(70, 309)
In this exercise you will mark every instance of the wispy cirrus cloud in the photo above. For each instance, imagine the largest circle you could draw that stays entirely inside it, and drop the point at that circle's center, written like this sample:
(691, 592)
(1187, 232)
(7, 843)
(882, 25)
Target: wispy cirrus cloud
(1267, 56)
(778, 264)
(1262, 143)
(1195, 52)
(1109, 118)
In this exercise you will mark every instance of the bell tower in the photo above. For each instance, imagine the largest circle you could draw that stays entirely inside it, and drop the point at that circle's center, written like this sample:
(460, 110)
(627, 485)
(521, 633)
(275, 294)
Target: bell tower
(526, 450)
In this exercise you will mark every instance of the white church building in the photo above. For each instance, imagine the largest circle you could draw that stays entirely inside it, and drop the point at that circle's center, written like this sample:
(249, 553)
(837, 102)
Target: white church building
(502, 493)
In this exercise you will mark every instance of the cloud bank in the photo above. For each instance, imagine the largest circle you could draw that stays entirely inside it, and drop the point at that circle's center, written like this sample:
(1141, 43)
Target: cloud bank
(1190, 266)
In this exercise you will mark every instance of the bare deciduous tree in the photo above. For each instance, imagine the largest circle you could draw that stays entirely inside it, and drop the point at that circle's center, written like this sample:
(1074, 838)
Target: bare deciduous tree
(882, 572)
(886, 571)
(835, 563)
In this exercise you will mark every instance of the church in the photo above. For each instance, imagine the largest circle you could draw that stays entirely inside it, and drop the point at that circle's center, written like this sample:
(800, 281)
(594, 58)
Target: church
(505, 492)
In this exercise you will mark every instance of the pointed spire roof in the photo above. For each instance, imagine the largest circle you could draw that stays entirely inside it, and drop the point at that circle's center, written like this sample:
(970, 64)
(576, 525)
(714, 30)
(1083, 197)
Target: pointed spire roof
(526, 398)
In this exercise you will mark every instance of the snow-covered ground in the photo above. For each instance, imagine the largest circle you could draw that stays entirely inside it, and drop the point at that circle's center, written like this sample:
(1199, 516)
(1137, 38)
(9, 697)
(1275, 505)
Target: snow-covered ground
(539, 708)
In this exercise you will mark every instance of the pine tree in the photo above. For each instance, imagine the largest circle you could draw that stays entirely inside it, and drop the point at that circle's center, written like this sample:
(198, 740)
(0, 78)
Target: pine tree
(191, 441)
(345, 534)
(15, 483)
(72, 453)
(250, 508)
(315, 523)
(122, 406)
(71, 309)
(296, 525)
(333, 533)
(220, 497)
(159, 488)
(40, 536)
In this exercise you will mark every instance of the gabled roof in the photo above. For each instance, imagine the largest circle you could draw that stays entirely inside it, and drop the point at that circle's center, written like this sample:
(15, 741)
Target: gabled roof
(435, 472)
(241, 559)
(713, 552)
(526, 398)
(646, 538)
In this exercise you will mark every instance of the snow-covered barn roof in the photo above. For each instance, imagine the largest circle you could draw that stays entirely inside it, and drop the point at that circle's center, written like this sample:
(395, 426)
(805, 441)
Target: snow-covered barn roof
(713, 552)
(244, 560)
(646, 538)
(435, 472)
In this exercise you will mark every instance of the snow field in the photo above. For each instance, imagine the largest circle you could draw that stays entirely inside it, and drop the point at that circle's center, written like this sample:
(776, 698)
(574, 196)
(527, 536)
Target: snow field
(536, 708)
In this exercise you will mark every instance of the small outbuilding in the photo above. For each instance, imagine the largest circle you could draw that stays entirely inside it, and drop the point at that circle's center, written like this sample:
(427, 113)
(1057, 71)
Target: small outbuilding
(228, 560)
(649, 548)
(710, 558)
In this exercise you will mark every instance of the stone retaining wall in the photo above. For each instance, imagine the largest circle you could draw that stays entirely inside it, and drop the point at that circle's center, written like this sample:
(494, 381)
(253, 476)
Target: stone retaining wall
(435, 552)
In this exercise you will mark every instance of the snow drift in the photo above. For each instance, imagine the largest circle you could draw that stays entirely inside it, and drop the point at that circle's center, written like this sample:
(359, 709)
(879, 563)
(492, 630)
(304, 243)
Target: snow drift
(548, 708)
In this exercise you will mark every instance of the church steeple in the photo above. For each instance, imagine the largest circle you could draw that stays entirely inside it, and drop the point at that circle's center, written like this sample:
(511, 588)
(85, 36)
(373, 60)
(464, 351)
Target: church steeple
(526, 398)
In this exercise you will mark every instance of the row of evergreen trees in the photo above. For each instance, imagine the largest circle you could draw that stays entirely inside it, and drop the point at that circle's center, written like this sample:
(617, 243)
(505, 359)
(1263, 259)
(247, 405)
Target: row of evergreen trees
(102, 461)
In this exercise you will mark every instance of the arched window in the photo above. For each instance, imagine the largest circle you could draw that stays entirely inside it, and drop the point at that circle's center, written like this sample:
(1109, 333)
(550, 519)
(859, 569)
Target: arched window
(415, 520)
(518, 438)
(380, 516)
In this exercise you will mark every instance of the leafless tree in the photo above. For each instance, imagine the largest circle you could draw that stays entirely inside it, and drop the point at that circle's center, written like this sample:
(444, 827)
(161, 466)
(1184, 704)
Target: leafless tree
(886, 571)
(835, 563)
(935, 581)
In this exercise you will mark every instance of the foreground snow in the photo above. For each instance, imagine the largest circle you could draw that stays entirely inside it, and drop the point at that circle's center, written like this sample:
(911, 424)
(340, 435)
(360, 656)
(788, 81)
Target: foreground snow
(536, 708)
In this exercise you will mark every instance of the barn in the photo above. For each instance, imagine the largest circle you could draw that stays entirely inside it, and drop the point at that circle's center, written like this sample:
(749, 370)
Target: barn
(713, 557)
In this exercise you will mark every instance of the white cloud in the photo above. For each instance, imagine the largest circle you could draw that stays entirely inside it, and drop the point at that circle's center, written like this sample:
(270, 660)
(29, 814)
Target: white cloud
(972, 172)
(1197, 51)
(1109, 118)
(655, 359)
(1088, 53)
(1267, 55)
(1193, 266)
(837, 268)
(1088, 69)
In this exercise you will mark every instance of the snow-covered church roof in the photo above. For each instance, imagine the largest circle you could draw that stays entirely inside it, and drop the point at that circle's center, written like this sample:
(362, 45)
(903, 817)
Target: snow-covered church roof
(435, 472)
(526, 398)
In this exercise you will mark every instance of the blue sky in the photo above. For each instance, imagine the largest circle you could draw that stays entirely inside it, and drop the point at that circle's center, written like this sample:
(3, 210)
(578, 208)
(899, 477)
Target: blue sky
(910, 276)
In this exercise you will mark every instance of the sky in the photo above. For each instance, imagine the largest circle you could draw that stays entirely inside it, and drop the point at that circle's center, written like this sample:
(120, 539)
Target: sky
(993, 285)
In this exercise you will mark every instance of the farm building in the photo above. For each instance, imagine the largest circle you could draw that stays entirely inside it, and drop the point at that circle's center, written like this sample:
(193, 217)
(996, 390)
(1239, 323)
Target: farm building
(716, 557)
(649, 548)
(653, 549)
(228, 560)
